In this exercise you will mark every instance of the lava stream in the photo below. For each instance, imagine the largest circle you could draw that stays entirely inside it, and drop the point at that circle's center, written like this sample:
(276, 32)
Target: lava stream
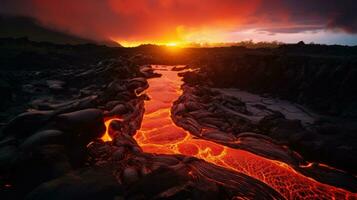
(158, 134)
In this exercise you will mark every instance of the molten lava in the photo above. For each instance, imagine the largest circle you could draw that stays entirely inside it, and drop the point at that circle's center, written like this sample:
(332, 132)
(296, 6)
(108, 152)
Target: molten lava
(106, 137)
(159, 134)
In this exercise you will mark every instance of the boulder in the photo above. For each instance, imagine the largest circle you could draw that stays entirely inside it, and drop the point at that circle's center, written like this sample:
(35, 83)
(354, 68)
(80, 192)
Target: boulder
(138, 85)
(8, 154)
(88, 183)
(119, 154)
(130, 175)
(219, 136)
(118, 110)
(99, 149)
(151, 185)
(115, 128)
(86, 124)
(27, 123)
(41, 138)
(111, 104)
(41, 164)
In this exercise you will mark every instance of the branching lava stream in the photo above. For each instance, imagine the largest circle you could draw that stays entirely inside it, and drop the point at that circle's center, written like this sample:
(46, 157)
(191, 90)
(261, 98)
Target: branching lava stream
(159, 134)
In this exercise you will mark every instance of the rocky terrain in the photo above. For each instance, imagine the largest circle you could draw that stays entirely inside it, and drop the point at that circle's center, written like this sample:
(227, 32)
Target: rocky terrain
(317, 137)
(54, 150)
(65, 111)
(68, 126)
(265, 127)
(322, 83)
(320, 77)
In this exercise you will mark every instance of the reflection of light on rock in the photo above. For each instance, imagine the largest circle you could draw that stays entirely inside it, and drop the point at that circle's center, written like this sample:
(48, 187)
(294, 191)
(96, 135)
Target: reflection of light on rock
(158, 134)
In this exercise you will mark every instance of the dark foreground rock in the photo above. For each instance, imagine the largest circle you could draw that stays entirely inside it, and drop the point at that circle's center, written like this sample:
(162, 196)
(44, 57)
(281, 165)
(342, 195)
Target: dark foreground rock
(64, 114)
(88, 183)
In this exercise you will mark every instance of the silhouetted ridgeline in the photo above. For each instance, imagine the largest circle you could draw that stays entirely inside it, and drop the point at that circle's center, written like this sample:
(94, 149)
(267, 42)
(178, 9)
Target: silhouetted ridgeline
(20, 26)
(24, 54)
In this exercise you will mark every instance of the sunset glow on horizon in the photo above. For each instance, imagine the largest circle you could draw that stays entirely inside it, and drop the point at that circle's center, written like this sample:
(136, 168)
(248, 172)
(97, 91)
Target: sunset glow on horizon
(160, 43)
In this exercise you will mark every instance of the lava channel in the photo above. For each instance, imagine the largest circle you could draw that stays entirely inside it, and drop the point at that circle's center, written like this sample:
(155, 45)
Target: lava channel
(159, 134)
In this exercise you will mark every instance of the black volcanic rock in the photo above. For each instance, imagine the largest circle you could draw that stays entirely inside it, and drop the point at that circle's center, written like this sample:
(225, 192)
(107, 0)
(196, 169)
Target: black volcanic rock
(8, 154)
(41, 138)
(26, 123)
(326, 84)
(31, 168)
(86, 124)
(65, 114)
(90, 183)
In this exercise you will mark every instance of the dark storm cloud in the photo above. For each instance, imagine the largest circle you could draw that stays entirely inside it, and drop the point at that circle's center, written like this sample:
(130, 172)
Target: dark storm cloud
(152, 19)
(330, 14)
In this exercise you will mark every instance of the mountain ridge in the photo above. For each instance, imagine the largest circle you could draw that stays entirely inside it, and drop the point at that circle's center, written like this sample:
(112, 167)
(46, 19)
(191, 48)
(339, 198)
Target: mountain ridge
(25, 27)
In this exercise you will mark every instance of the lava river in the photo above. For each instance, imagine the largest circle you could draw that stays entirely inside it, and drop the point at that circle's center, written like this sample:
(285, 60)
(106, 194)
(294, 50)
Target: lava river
(159, 134)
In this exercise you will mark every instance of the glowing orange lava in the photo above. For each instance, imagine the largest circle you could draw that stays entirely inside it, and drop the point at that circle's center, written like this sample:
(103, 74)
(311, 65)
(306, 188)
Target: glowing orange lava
(158, 134)
(106, 137)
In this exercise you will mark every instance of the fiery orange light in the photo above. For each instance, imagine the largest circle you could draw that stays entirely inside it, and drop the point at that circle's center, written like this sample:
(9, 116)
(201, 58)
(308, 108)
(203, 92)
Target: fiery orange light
(158, 134)
(172, 44)
(136, 43)
(106, 137)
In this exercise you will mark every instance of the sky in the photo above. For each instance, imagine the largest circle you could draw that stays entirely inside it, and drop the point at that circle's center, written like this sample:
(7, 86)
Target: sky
(133, 22)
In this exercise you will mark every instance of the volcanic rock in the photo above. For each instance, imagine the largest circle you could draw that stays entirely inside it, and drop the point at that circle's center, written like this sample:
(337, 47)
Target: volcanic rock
(87, 124)
(89, 183)
(118, 110)
(130, 175)
(8, 154)
(55, 85)
(119, 154)
(42, 137)
(26, 123)
(42, 164)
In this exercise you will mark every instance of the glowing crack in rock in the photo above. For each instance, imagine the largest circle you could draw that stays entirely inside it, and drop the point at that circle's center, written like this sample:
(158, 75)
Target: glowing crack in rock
(159, 134)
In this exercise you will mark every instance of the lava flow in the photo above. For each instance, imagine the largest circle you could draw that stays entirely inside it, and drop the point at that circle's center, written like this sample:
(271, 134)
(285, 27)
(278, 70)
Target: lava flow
(159, 134)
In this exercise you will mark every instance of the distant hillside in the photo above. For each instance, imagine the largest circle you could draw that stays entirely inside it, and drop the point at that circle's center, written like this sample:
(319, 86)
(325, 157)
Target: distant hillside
(19, 27)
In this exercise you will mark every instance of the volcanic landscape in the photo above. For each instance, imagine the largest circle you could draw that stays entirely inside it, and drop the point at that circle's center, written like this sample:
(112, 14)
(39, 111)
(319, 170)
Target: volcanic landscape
(161, 123)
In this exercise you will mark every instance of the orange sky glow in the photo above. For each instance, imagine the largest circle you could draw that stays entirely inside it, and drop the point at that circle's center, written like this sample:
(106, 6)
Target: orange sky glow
(181, 22)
